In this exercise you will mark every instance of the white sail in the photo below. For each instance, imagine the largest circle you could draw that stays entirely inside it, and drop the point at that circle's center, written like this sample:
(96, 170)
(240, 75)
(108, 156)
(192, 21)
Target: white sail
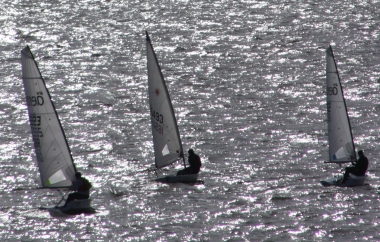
(341, 145)
(53, 154)
(166, 139)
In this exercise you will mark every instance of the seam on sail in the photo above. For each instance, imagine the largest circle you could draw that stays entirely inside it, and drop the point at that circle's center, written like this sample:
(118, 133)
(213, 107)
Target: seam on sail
(31, 78)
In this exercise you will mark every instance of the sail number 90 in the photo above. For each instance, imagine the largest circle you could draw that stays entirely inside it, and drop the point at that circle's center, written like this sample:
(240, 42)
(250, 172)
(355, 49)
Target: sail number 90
(332, 91)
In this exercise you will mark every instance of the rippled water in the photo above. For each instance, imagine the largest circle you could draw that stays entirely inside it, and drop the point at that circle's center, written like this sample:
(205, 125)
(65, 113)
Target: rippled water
(247, 83)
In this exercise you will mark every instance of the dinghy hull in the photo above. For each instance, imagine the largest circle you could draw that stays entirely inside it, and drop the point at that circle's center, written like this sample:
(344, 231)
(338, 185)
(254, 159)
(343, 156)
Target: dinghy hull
(352, 181)
(73, 206)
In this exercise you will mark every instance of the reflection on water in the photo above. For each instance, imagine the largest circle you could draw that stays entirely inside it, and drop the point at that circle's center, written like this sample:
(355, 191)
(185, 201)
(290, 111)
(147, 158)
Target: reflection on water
(247, 83)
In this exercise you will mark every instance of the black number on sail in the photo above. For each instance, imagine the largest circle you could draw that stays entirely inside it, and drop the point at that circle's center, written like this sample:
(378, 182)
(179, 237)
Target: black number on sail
(328, 112)
(35, 120)
(332, 91)
(156, 115)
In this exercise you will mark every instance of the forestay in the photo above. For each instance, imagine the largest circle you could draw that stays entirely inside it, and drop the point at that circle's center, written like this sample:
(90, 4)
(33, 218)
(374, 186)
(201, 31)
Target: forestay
(166, 139)
(53, 154)
(341, 145)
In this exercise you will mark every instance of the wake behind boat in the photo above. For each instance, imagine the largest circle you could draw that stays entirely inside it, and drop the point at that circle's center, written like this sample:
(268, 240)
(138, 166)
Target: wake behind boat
(166, 139)
(341, 143)
(54, 160)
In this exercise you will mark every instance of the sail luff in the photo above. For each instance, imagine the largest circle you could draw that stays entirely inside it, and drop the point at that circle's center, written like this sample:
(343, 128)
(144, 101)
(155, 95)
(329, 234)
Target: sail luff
(341, 144)
(165, 109)
(54, 159)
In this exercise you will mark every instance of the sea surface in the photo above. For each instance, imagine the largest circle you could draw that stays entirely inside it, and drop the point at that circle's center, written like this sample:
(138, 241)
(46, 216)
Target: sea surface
(247, 81)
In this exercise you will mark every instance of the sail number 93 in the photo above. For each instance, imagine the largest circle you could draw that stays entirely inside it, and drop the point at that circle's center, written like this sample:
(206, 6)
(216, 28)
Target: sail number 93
(35, 123)
(35, 120)
(156, 115)
(157, 121)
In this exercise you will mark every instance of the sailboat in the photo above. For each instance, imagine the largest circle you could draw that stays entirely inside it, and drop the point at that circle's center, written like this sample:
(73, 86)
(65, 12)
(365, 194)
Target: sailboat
(341, 143)
(54, 160)
(166, 139)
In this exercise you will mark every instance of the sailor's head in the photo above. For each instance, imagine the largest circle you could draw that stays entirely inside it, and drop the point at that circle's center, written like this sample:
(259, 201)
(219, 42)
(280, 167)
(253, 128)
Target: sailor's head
(191, 152)
(360, 153)
(78, 175)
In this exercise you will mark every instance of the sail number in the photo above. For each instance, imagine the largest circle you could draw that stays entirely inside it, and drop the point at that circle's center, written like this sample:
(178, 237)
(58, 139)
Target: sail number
(328, 111)
(332, 90)
(35, 120)
(157, 121)
(158, 127)
(32, 101)
(156, 115)
(35, 123)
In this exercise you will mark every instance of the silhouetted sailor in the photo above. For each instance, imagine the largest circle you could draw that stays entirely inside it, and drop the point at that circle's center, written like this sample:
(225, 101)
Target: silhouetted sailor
(194, 162)
(82, 187)
(358, 168)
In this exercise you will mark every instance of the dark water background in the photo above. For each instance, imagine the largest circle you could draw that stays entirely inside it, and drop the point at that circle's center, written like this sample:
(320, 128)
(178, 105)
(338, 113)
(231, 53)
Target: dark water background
(247, 80)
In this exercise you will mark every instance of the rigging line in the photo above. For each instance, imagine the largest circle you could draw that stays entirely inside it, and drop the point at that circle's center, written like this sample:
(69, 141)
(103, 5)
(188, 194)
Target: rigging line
(62, 197)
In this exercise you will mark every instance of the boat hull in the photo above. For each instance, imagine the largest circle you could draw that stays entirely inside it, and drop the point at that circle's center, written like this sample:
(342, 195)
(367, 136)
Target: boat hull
(192, 178)
(74, 206)
(352, 181)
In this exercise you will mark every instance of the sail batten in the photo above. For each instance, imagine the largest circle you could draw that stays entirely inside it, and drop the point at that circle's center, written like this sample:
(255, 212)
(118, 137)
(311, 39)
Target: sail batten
(341, 144)
(53, 154)
(166, 139)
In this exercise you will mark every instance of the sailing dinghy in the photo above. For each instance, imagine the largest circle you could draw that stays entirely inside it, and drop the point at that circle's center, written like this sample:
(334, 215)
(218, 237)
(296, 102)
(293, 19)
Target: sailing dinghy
(166, 139)
(55, 163)
(341, 143)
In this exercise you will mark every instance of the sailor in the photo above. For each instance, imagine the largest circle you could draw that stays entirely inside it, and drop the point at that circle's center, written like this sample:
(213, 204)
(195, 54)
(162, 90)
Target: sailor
(194, 162)
(358, 168)
(81, 186)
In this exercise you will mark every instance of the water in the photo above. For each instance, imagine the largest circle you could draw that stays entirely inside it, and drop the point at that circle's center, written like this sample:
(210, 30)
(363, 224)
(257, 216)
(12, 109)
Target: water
(247, 80)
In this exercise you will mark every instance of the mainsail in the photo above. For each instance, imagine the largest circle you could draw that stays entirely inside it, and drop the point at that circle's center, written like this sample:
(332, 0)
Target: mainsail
(53, 154)
(166, 140)
(341, 144)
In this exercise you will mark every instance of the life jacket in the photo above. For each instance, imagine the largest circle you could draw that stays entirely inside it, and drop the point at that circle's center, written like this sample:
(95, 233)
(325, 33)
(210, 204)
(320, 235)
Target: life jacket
(85, 186)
